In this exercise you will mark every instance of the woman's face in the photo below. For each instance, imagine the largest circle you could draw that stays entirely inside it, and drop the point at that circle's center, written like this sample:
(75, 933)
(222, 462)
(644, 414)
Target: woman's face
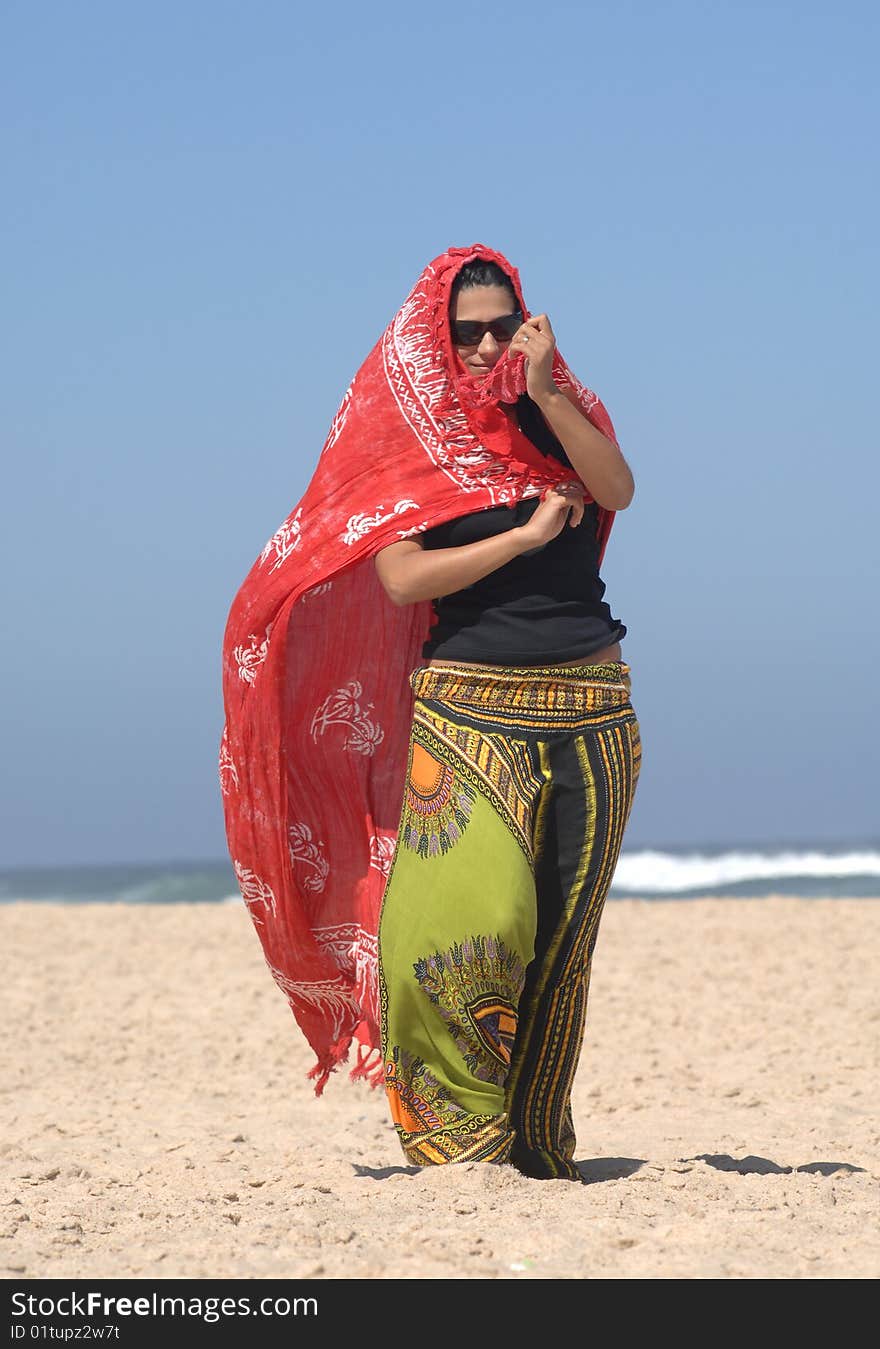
(482, 304)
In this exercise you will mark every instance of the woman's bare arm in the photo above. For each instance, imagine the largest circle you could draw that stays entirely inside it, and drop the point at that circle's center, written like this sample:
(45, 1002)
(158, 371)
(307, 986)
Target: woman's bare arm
(410, 572)
(597, 460)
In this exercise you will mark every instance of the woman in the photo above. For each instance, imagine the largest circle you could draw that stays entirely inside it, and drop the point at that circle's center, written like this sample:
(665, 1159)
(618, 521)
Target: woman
(523, 763)
(326, 751)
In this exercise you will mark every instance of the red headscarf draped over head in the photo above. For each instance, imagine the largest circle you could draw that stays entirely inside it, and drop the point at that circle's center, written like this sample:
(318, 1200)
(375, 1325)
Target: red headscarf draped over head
(316, 658)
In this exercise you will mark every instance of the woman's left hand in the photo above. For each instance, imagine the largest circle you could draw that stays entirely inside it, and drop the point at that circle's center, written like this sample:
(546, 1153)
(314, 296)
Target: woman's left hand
(539, 351)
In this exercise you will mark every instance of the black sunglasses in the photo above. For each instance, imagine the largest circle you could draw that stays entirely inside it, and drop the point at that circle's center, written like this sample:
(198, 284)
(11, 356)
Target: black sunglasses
(470, 333)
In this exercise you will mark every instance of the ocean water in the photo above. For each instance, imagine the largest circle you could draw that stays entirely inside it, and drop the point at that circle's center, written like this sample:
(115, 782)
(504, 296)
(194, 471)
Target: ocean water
(847, 871)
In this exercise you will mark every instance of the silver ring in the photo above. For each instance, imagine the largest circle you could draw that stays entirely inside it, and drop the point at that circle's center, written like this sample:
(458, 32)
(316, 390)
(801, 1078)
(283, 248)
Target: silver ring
(525, 337)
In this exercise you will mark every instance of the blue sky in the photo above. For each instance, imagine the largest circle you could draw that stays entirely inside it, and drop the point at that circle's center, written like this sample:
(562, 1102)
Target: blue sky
(212, 212)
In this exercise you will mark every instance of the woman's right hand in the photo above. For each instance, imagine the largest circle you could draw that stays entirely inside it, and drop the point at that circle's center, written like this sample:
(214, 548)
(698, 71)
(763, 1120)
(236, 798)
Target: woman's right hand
(550, 517)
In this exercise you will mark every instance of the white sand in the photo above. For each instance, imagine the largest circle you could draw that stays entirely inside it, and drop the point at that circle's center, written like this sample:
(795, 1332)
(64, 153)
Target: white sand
(157, 1122)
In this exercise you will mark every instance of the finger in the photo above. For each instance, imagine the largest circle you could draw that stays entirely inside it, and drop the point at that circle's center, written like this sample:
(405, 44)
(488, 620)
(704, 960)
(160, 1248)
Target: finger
(529, 331)
(541, 323)
(576, 497)
(536, 346)
(560, 503)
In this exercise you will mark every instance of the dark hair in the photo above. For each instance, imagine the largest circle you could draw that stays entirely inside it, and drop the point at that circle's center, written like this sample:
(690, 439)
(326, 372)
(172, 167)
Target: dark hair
(480, 273)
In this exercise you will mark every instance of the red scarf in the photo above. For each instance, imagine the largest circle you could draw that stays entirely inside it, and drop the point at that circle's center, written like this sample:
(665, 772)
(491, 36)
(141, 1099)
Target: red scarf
(316, 658)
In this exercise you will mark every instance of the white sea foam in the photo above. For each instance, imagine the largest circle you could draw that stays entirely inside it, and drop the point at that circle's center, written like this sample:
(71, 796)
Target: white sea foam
(669, 873)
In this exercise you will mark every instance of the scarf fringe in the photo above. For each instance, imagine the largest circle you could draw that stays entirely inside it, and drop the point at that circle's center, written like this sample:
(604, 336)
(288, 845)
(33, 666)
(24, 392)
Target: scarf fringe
(369, 1067)
(328, 1063)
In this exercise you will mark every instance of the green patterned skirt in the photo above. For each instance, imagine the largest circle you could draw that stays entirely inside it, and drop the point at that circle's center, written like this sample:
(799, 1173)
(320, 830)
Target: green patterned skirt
(519, 785)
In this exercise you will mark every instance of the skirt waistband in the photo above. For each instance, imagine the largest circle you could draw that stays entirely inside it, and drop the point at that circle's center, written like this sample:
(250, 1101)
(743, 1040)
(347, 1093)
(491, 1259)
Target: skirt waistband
(552, 689)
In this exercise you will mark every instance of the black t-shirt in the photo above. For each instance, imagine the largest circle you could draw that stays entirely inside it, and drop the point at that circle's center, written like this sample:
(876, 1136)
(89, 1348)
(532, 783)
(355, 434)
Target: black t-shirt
(538, 609)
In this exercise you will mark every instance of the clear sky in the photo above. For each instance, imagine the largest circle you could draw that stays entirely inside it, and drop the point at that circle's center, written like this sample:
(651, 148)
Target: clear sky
(211, 212)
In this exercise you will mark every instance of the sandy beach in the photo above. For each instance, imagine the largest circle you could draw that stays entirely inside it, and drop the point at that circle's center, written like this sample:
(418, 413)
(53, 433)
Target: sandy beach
(157, 1121)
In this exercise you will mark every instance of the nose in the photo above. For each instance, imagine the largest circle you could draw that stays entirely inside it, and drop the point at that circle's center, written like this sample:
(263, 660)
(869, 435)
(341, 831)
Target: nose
(489, 348)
